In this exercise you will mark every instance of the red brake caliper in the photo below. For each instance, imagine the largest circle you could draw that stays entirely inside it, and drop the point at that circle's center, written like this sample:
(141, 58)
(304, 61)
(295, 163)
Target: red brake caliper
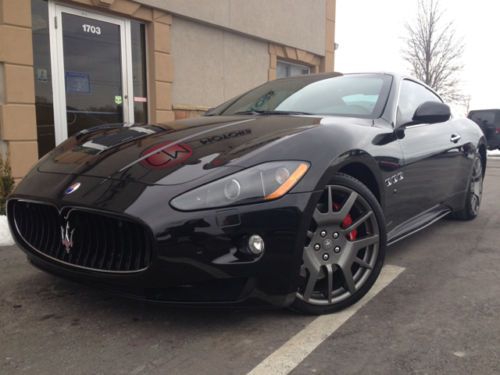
(346, 222)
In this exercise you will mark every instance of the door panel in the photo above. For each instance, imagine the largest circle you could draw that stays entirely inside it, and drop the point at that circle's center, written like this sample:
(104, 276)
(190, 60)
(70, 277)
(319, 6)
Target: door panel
(92, 72)
(429, 166)
(430, 157)
(92, 64)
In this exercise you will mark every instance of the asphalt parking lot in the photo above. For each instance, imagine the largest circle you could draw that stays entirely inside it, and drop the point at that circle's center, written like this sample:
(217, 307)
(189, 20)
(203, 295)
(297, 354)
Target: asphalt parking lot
(440, 315)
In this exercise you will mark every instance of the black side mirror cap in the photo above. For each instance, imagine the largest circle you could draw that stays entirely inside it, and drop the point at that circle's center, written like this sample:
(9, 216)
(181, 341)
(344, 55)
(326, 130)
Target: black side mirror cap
(431, 113)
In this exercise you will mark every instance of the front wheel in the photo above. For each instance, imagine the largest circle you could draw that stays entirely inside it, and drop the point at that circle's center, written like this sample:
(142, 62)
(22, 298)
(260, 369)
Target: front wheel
(344, 250)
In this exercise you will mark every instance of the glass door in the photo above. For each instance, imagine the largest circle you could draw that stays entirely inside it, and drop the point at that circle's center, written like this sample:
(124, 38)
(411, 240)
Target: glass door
(91, 61)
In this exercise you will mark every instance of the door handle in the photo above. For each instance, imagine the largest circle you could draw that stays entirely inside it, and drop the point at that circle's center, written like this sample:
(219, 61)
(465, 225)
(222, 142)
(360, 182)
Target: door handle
(455, 138)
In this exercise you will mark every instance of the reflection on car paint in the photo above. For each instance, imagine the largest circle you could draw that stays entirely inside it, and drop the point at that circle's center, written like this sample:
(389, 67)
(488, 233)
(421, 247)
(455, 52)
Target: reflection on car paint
(167, 157)
(225, 136)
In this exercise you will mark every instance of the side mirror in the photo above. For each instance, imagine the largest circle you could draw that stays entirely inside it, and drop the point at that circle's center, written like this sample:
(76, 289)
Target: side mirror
(431, 113)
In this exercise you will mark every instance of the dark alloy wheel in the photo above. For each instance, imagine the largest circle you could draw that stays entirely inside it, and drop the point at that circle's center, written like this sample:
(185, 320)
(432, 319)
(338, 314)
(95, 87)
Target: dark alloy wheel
(344, 249)
(474, 194)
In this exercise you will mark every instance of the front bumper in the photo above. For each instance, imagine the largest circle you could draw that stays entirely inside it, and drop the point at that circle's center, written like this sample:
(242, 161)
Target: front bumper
(197, 257)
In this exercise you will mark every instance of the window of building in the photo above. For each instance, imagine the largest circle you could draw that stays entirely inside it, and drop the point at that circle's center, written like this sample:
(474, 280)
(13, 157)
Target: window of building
(286, 69)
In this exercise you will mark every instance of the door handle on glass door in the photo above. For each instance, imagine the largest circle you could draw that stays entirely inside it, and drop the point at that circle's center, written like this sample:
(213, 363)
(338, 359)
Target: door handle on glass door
(455, 138)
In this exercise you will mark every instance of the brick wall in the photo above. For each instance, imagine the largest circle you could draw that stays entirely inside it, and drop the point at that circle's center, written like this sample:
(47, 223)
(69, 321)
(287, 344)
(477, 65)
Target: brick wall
(17, 106)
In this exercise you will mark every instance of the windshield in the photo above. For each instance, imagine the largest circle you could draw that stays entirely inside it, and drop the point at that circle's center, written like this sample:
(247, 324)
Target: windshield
(357, 95)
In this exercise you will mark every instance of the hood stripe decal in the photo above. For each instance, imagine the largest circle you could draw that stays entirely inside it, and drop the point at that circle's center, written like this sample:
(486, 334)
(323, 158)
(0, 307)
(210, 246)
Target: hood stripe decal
(181, 141)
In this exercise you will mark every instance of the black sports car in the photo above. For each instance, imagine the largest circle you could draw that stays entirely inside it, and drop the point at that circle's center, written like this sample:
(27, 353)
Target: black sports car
(287, 194)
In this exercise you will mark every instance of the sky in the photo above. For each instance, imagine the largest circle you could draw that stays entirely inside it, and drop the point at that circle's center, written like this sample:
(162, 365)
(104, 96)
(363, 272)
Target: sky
(371, 35)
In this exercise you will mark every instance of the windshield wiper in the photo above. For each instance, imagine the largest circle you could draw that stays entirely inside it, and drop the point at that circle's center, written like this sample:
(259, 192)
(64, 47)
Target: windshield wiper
(265, 113)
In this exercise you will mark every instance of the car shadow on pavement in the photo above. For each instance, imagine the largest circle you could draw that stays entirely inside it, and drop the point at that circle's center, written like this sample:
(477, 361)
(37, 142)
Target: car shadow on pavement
(39, 290)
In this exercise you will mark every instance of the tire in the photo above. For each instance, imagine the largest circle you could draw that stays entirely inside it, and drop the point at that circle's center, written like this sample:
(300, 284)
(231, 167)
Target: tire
(344, 250)
(472, 201)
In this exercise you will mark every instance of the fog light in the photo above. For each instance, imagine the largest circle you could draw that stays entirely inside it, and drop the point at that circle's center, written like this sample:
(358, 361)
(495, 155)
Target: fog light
(256, 244)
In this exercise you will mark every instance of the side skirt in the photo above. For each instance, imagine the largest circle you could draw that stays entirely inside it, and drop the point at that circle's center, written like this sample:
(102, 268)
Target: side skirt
(417, 223)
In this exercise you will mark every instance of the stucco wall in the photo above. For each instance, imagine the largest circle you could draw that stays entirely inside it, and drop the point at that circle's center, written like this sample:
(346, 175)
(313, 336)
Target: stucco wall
(212, 65)
(295, 23)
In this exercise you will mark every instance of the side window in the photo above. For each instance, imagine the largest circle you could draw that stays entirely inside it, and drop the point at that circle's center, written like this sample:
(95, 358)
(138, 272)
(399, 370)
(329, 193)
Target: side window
(411, 96)
(285, 69)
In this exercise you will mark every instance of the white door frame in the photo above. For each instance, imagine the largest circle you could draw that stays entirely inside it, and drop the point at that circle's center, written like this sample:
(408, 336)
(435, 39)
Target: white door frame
(57, 64)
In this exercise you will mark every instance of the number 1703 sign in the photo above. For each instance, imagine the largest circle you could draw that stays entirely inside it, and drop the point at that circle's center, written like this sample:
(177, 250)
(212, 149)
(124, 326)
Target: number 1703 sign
(91, 29)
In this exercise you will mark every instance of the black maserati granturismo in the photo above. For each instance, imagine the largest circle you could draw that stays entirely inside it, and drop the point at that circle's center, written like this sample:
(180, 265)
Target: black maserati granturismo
(287, 194)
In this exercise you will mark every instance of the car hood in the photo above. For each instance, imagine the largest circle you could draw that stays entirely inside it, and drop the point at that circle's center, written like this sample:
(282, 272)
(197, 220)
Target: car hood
(176, 152)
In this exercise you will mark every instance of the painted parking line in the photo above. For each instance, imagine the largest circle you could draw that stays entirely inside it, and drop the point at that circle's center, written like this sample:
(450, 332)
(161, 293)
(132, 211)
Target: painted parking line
(295, 350)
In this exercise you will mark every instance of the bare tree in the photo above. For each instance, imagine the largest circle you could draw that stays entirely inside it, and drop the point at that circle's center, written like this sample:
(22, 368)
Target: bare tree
(434, 51)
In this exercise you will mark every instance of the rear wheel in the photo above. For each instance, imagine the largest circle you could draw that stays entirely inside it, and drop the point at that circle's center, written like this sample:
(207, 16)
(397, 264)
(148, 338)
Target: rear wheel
(344, 250)
(474, 194)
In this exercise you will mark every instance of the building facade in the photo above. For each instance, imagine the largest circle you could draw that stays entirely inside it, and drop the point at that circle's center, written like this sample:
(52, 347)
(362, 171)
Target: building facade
(73, 64)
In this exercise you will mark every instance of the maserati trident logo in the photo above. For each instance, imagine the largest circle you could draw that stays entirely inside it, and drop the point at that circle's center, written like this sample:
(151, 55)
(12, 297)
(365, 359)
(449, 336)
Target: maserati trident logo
(72, 188)
(67, 237)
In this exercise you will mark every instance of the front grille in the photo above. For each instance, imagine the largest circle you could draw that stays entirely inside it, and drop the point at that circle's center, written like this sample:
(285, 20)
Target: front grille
(98, 242)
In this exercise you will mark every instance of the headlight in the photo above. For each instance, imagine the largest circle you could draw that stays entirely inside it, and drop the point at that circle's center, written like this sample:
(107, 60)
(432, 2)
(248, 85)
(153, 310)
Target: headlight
(260, 183)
